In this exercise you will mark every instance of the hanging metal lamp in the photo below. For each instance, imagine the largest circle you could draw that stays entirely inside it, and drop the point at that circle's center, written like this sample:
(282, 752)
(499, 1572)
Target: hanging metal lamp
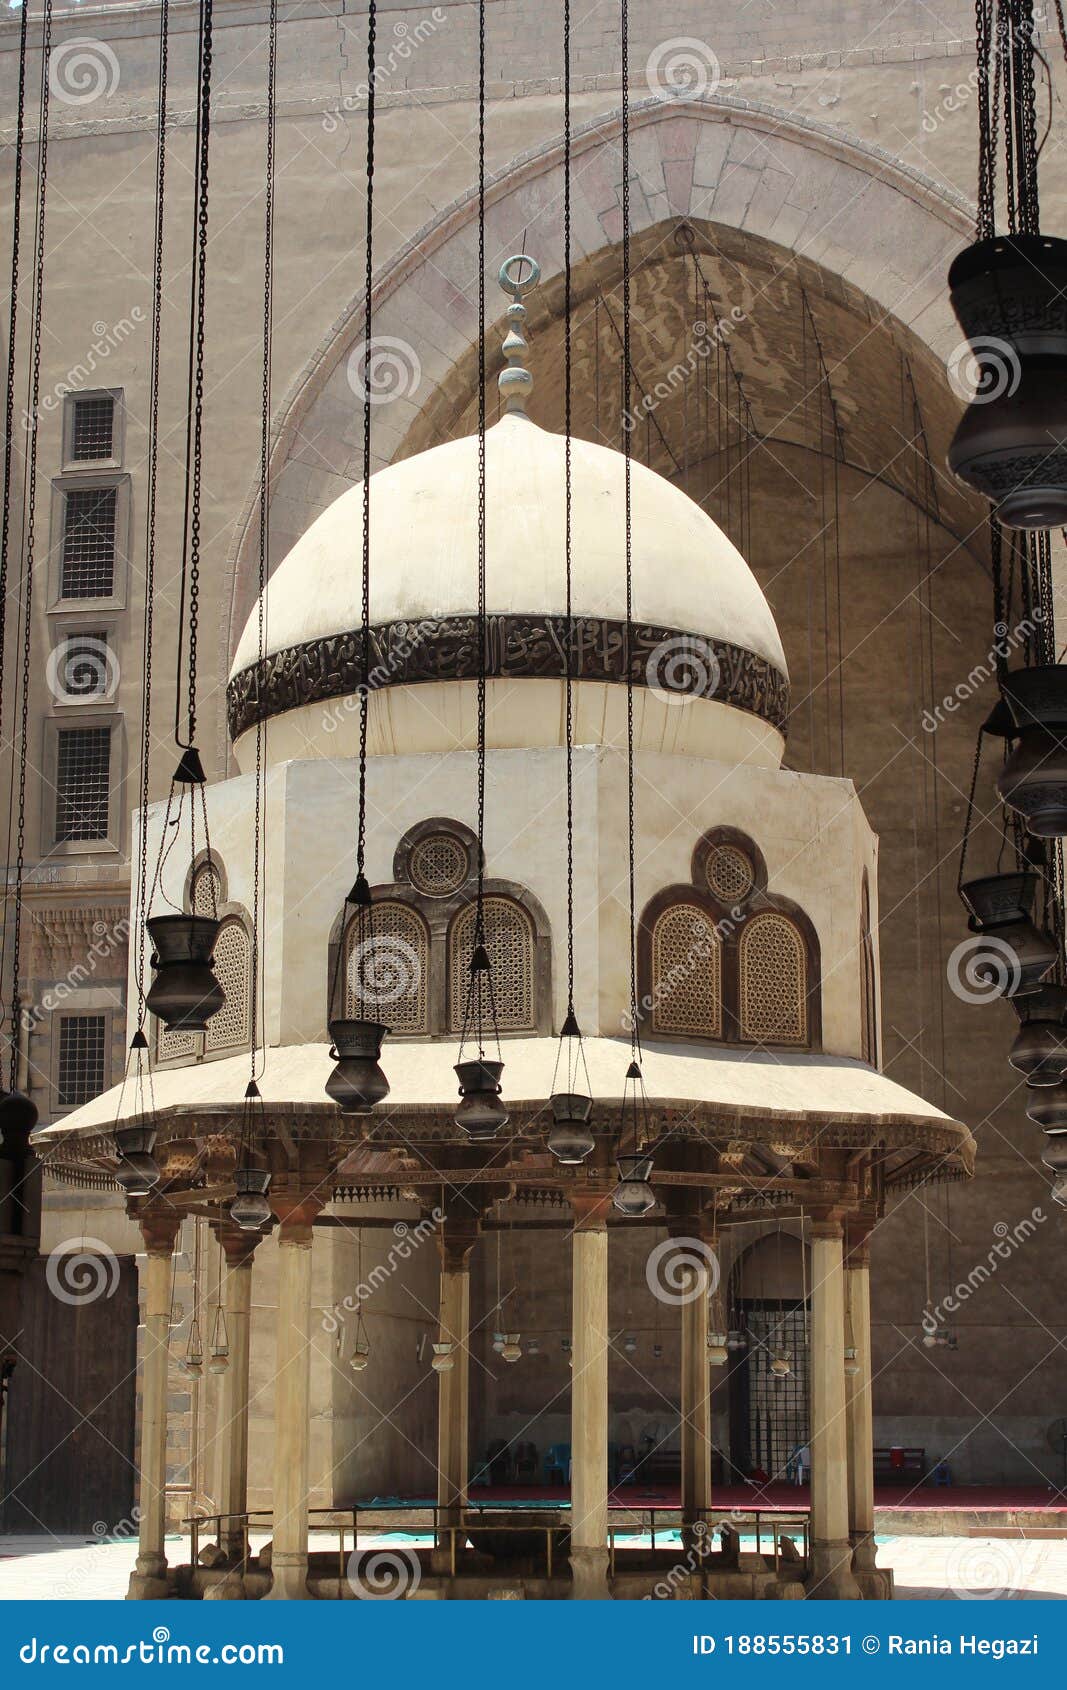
(219, 1354)
(249, 1208)
(137, 1172)
(569, 1138)
(1033, 781)
(633, 1195)
(1040, 1048)
(357, 1082)
(184, 993)
(1020, 953)
(194, 1351)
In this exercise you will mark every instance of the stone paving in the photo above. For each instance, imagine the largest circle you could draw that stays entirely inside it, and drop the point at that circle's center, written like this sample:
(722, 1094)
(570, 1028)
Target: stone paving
(928, 1568)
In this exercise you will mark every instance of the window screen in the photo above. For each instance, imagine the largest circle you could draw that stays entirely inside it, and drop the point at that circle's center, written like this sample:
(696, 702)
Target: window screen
(81, 1058)
(92, 435)
(83, 769)
(89, 543)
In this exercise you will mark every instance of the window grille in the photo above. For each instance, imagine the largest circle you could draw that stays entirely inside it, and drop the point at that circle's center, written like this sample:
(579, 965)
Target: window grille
(205, 894)
(778, 1422)
(169, 1046)
(439, 865)
(729, 874)
(84, 667)
(82, 1059)
(387, 974)
(509, 939)
(686, 973)
(83, 783)
(774, 982)
(229, 1026)
(89, 543)
(92, 435)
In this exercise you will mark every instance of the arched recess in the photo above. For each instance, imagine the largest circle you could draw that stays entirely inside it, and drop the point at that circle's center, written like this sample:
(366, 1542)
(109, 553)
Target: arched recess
(855, 223)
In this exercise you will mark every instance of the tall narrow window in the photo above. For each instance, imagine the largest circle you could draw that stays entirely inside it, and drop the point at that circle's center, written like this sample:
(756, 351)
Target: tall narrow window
(686, 973)
(387, 976)
(774, 982)
(509, 939)
(88, 570)
(82, 1059)
(83, 783)
(92, 429)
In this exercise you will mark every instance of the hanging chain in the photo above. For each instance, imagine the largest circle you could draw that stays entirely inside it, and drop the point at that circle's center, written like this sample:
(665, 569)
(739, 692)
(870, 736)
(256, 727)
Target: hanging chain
(150, 502)
(368, 293)
(190, 579)
(258, 847)
(30, 544)
(479, 926)
(9, 397)
(624, 22)
(568, 395)
(986, 145)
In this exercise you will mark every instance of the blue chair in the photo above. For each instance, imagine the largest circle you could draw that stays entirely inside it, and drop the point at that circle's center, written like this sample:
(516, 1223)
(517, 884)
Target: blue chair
(557, 1460)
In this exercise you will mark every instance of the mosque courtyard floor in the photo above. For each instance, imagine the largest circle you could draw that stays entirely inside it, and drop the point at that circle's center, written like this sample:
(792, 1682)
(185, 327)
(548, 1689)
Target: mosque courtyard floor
(929, 1568)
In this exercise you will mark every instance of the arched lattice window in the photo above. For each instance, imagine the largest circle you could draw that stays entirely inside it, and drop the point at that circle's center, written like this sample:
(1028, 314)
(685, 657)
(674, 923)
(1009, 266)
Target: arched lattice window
(387, 974)
(773, 981)
(509, 938)
(230, 1027)
(686, 973)
(205, 892)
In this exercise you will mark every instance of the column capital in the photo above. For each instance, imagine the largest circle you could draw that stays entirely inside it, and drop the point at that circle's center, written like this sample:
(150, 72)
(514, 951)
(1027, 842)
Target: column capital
(858, 1242)
(456, 1241)
(590, 1210)
(826, 1227)
(159, 1229)
(238, 1246)
(296, 1211)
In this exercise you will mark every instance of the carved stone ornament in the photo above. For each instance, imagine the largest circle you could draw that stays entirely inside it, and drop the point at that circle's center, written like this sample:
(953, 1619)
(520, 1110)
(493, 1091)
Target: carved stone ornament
(518, 647)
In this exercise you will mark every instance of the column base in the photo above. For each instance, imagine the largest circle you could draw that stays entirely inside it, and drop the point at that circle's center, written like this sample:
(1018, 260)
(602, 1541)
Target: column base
(231, 1588)
(864, 1555)
(589, 1575)
(831, 1578)
(148, 1581)
(289, 1580)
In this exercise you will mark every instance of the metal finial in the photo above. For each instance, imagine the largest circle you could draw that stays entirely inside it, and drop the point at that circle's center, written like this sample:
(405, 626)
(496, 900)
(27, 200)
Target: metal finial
(515, 381)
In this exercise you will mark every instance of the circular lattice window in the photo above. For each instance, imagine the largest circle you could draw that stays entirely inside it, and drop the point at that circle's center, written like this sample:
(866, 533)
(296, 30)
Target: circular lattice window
(439, 864)
(729, 873)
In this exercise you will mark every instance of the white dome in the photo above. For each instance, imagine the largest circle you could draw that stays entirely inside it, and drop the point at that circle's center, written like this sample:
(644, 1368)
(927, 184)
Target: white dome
(688, 579)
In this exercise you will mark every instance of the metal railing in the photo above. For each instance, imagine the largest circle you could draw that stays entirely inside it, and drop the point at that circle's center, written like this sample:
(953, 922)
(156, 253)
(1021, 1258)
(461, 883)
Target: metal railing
(762, 1523)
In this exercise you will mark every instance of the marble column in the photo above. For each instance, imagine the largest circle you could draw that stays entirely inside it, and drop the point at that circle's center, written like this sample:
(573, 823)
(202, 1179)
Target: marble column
(858, 1405)
(453, 1386)
(695, 1394)
(239, 1248)
(831, 1550)
(159, 1229)
(589, 1400)
(292, 1396)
